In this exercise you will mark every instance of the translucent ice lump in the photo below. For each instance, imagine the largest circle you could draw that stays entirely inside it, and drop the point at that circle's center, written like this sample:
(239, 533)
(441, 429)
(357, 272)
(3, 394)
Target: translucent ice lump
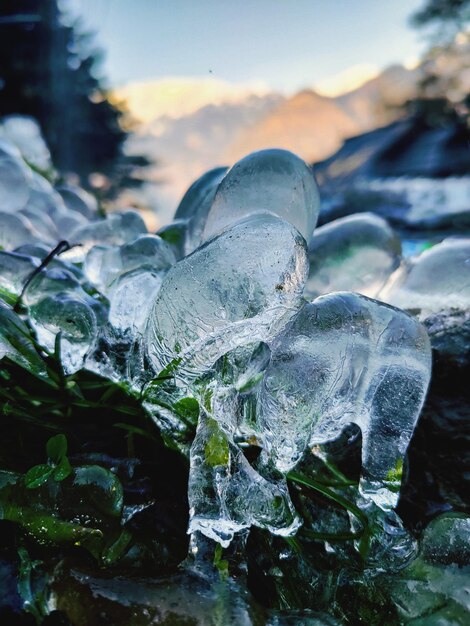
(25, 133)
(195, 205)
(130, 275)
(438, 279)
(14, 179)
(346, 359)
(56, 303)
(148, 252)
(115, 229)
(355, 253)
(240, 287)
(270, 181)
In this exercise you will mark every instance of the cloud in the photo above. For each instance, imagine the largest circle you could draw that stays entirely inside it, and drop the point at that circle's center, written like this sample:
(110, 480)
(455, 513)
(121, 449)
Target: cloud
(347, 80)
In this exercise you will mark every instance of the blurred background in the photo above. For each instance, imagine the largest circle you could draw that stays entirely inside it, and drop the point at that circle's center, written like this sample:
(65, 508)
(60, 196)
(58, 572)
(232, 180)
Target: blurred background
(136, 99)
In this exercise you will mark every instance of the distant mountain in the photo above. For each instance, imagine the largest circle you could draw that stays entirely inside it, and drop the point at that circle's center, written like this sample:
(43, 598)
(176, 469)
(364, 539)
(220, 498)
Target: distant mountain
(310, 125)
(193, 137)
(186, 147)
(179, 96)
(375, 103)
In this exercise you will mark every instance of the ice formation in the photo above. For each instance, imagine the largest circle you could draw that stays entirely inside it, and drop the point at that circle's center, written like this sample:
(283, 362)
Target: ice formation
(219, 299)
(228, 292)
(195, 206)
(270, 181)
(14, 179)
(355, 253)
(130, 275)
(346, 359)
(437, 279)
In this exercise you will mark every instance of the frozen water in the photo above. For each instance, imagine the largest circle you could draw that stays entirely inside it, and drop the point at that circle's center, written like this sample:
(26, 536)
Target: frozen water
(355, 253)
(15, 269)
(196, 203)
(148, 252)
(56, 303)
(225, 493)
(238, 288)
(42, 223)
(78, 200)
(16, 230)
(14, 179)
(15, 341)
(272, 181)
(435, 588)
(74, 318)
(346, 359)
(131, 297)
(176, 234)
(25, 133)
(446, 540)
(115, 229)
(438, 279)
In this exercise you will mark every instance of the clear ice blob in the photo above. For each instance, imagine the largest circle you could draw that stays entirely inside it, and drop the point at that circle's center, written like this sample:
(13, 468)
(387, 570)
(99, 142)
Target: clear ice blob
(42, 223)
(115, 229)
(76, 321)
(436, 280)
(346, 359)
(16, 230)
(14, 179)
(238, 288)
(103, 264)
(78, 200)
(269, 181)
(226, 494)
(25, 133)
(176, 235)
(196, 203)
(15, 269)
(355, 253)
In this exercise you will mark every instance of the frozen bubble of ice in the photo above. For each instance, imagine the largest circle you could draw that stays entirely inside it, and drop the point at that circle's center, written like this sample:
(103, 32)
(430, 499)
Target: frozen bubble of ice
(269, 181)
(176, 235)
(355, 253)
(148, 252)
(15, 269)
(14, 179)
(76, 321)
(42, 223)
(115, 229)
(16, 230)
(25, 133)
(438, 279)
(196, 203)
(346, 359)
(238, 288)
(131, 297)
(78, 200)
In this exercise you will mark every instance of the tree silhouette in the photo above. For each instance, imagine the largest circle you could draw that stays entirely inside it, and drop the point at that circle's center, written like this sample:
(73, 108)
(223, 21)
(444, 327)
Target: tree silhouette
(48, 69)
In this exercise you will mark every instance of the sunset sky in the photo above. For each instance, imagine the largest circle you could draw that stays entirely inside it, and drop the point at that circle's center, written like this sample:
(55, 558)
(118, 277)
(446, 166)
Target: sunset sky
(282, 45)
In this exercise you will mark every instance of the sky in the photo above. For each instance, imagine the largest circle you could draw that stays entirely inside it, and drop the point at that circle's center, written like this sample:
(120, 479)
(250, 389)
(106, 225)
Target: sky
(284, 45)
